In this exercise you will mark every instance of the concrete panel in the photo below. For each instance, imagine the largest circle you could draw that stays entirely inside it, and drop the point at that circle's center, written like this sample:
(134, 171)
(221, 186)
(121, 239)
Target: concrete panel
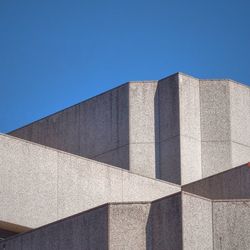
(88, 230)
(167, 107)
(215, 110)
(119, 157)
(190, 160)
(240, 154)
(197, 223)
(141, 119)
(240, 113)
(141, 111)
(127, 226)
(179, 129)
(138, 188)
(91, 128)
(215, 157)
(142, 159)
(170, 165)
(164, 227)
(231, 225)
(190, 129)
(232, 184)
(28, 183)
(40, 185)
(189, 98)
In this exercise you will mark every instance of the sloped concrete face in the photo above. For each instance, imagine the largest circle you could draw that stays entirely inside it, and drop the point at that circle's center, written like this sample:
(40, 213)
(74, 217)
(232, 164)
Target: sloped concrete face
(231, 184)
(97, 128)
(40, 185)
(85, 231)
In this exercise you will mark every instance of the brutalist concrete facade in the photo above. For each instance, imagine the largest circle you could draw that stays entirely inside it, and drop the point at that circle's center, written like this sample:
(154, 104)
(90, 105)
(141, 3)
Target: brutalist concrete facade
(168, 159)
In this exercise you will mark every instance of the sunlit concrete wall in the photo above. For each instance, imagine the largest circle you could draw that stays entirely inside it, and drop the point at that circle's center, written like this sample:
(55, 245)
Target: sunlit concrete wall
(39, 185)
(179, 129)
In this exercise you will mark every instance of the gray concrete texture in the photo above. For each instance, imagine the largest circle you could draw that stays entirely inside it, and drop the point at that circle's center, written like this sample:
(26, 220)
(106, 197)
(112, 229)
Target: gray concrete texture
(179, 129)
(39, 185)
(230, 184)
(179, 221)
(116, 226)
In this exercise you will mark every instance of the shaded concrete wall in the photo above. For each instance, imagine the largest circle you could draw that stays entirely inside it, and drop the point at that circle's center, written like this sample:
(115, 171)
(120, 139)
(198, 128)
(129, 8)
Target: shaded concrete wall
(179, 129)
(178, 119)
(112, 226)
(164, 226)
(97, 128)
(231, 224)
(40, 185)
(88, 230)
(231, 184)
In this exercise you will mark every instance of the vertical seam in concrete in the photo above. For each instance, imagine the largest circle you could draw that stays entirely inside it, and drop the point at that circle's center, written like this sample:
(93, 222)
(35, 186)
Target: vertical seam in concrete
(129, 130)
(179, 121)
(230, 121)
(108, 227)
(212, 223)
(79, 125)
(57, 185)
(200, 127)
(158, 115)
(182, 221)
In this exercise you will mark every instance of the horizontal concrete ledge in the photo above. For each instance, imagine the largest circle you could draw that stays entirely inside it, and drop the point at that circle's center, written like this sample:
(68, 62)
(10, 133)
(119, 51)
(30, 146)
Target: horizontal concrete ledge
(86, 159)
(33, 176)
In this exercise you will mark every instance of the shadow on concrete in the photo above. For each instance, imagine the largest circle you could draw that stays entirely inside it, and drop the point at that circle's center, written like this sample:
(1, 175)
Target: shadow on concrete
(164, 225)
(167, 130)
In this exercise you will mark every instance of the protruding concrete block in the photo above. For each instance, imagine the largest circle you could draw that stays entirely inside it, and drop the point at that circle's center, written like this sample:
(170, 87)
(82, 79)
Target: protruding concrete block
(40, 185)
(240, 113)
(127, 224)
(197, 223)
(177, 129)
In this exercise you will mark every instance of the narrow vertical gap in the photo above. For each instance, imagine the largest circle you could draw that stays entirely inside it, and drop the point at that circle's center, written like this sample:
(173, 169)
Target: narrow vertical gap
(200, 128)
(230, 124)
(212, 223)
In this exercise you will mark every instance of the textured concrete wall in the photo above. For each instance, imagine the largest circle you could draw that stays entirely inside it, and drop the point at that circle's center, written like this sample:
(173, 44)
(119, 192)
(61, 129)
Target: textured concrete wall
(164, 227)
(231, 184)
(142, 128)
(127, 226)
(179, 129)
(178, 116)
(231, 225)
(215, 126)
(240, 120)
(88, 230)
(197, 223)
(97, 128)
(40, 185)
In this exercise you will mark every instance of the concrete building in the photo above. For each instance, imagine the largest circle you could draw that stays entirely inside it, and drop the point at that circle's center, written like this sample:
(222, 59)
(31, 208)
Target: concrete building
(147, 165)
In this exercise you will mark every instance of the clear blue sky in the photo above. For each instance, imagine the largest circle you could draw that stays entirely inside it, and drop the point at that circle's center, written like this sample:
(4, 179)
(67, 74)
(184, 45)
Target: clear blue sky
(55, 53)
